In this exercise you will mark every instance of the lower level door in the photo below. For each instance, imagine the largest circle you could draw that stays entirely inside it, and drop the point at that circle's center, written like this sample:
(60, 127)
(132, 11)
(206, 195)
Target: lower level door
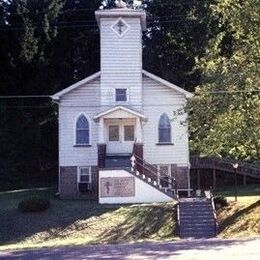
(120, 138)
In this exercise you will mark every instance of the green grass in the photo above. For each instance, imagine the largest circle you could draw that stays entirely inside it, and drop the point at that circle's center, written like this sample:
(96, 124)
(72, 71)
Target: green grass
(240, 219)
(242, 191)
(76, 222)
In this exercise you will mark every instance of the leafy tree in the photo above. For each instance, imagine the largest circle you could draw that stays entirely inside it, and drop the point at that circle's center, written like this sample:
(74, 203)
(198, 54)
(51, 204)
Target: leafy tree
(178, 32)
(225, 112)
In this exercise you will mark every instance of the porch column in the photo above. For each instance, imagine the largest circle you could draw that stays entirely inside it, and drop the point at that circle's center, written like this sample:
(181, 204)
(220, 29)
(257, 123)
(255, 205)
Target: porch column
(101, 131)
(138, 131)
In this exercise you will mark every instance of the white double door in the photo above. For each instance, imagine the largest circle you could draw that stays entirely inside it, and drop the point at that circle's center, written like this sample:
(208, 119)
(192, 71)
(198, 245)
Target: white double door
(120, 134)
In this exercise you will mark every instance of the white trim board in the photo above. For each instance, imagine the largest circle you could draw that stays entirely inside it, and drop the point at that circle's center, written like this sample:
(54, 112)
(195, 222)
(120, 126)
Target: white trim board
(111, 110)
(58, 95)
(168, 84)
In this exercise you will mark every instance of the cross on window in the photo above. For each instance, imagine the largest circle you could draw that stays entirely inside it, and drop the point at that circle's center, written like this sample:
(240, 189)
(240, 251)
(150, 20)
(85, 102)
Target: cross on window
(120, 27)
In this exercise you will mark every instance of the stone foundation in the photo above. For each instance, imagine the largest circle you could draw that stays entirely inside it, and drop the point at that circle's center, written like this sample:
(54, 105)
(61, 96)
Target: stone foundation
(69, 186)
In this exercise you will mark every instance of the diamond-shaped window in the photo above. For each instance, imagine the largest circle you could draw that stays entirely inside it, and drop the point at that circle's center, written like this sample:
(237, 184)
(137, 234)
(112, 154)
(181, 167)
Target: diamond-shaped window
(120, 27)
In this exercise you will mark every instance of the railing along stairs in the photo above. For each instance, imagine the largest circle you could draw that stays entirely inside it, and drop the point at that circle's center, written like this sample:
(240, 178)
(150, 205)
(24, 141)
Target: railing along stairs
(157, 178)
(226, 165)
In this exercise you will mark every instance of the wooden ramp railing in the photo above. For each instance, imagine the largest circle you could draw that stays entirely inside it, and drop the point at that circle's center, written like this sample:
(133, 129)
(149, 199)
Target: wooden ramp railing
(244, 168)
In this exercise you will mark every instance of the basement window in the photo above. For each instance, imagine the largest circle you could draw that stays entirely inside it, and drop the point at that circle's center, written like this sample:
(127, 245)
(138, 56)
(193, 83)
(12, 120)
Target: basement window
(84, 179)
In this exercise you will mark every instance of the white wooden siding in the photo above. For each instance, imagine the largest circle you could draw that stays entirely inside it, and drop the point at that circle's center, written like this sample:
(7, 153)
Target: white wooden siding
(85, 99)
(121, 61)
(85, 95)
(159, 99)
(69, 155)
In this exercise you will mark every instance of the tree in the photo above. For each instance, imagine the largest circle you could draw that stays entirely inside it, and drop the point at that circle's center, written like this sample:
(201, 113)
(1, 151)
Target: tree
(45, 46)
(178, 32)
(224, 115)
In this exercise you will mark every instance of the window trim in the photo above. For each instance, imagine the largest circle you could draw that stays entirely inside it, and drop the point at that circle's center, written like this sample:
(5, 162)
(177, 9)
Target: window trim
(127, 29)
(170, 142)
(79, 174)
(124, 133)
(108, 137)
(75, 131)
(127, 96)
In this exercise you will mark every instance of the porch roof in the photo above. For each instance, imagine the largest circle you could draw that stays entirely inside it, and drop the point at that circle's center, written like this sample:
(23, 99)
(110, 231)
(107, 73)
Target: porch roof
(127, 111)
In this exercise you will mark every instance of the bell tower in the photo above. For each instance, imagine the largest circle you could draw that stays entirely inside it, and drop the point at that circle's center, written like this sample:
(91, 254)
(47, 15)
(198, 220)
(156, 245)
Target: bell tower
(121, 54)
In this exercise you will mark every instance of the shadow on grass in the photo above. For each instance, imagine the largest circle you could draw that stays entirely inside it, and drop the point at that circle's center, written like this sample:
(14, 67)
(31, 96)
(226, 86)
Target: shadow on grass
(233, 218)
(82, 220)
(144, 222)
(16, 226)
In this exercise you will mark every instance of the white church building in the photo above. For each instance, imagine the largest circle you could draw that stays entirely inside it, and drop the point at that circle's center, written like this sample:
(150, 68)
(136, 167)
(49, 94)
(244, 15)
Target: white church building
(119, 138)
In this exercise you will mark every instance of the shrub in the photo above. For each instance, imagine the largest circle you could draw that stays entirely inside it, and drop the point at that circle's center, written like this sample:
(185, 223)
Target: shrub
(34, 204)
(220, 202)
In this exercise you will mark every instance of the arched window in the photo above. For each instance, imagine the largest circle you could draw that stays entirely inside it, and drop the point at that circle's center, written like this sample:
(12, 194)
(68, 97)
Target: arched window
(164, 129)
(82, 131)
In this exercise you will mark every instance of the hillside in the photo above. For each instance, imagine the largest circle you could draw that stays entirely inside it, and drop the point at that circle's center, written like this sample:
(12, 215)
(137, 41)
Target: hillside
(241, 219)
(72, 222)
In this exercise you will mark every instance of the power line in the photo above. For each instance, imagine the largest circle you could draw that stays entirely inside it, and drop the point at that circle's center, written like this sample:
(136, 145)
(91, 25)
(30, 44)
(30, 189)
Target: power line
(233, 91)
(211, 92)
(92, 27)
(24, 96)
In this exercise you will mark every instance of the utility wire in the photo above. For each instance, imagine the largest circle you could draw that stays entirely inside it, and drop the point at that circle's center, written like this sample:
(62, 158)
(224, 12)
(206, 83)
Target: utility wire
(211, 92)
(24, 96)
(94, 27)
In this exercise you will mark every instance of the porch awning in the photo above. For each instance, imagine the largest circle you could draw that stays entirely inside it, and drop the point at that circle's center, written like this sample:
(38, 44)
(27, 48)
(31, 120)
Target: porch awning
(119, 112)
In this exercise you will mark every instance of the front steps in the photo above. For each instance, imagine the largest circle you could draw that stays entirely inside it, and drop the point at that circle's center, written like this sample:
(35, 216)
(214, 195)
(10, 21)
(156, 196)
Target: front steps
(152, 183)
(196, 218)
(123, 162)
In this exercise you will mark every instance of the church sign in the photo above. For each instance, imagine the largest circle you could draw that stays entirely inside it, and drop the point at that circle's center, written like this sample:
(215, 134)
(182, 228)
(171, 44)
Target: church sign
(117, 187)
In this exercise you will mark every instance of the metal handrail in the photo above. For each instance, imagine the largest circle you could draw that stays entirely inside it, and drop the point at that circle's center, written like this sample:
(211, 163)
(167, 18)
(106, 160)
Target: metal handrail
(156, 173)
(152, 166)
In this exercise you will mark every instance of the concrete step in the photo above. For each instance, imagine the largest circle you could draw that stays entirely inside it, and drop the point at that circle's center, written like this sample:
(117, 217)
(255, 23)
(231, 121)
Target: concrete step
(195, 206)
(206, 215)
(145, 179)
(202, 202)
(197, 229)
(197, 235)
(196, 219)
(198, 207)
(188, 224)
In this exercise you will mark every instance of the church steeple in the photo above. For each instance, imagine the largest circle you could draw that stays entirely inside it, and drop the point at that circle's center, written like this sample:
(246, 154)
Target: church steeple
(121, 52)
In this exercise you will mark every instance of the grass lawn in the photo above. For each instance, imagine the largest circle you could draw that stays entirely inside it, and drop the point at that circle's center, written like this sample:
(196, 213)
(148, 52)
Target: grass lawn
(240, 219)
(76, 222)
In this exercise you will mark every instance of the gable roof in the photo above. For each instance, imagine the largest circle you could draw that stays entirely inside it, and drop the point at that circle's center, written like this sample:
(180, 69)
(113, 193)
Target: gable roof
(168, 84)
(58, 95)
(111, 110)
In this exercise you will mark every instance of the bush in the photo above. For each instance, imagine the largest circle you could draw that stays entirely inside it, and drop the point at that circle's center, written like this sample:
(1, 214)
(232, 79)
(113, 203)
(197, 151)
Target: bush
(220, 202)
(34, 204)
